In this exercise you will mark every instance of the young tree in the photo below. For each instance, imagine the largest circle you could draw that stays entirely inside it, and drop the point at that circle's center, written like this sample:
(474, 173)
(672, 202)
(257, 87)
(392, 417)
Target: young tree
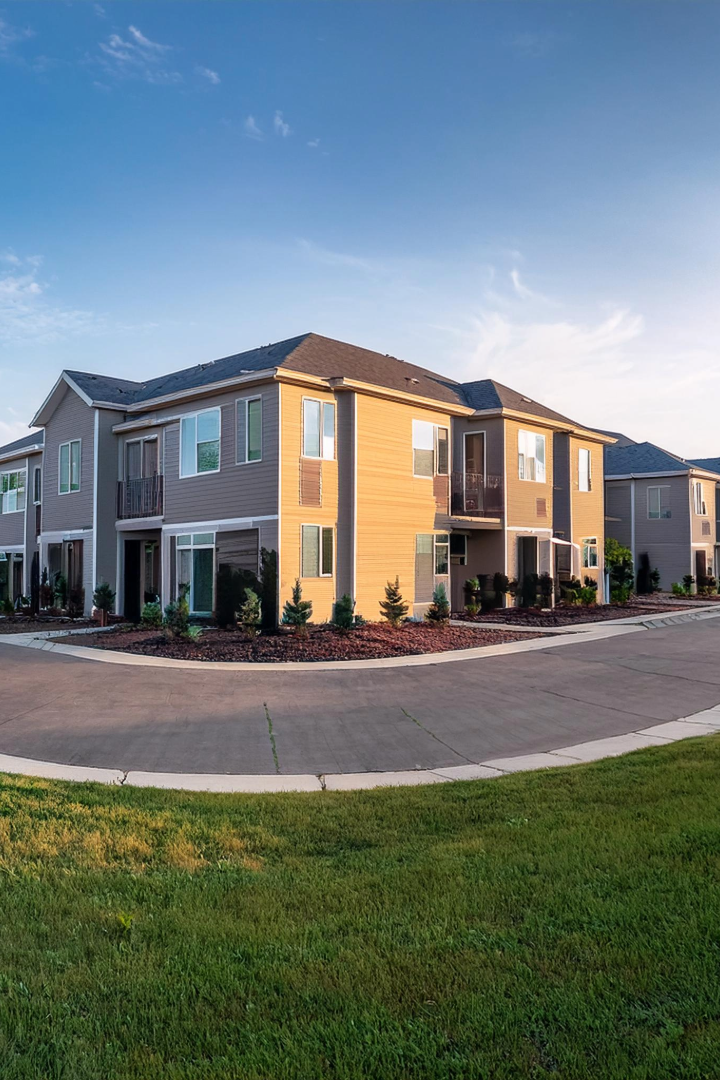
(393, 607)
(439, 611)
(249, 614)
(343, 617)
(103, 601)
(297, 611)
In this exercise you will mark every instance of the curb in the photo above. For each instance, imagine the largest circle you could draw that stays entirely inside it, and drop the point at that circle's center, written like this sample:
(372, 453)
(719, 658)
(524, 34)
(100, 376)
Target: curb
(556, 637)
(702, 723)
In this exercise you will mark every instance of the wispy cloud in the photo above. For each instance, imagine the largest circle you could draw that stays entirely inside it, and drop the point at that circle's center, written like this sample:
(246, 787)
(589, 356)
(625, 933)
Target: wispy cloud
(281, 128)
(252, 130)
(144, 42)
(524, 292)
(313, 142)
(534, 43)
(11, 36)
(99, 11)
(207, 73)
(137, 57)
(10, 430)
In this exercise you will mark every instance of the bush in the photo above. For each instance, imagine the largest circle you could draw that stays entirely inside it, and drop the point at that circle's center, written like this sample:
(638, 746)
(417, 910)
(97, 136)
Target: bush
(570, 590)
(343, 618)
(393, 607)
(7, 607)
(439, 611)
(249, 614)
(677, 589)
(193, 633)
(471, 609)
(528, 591)
(61, 591)
(231, 588)
(546, 586)
(688, 582)
(620, 594)
(76, 603)
(103, 597)
(297, 611)
(587, 595)
(619, 564)
(472, 586)
(177, 615)
(501, 587)
(151, 615)
(655, 580)
(706, 585)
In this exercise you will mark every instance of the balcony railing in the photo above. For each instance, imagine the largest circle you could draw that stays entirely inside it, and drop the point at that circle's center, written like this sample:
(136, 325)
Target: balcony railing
(140, 498)
(476, 495)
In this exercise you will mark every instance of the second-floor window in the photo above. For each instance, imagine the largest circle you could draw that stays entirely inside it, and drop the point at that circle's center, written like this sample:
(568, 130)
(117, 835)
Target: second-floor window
(318, 436)
(431, 449)
(531, 456)
(69, 467)
(37, 485)
(590, 553)
(584, 469)
(12, 491)
(249, 430)
(658, 498)
(200, 443)
(700, 507)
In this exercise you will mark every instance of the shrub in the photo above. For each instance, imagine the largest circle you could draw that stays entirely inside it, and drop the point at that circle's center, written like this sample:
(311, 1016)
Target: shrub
(472, 586)
(706, 585)
(655, 580)
(76, 603)
(570, 590)
(343, 618)
(528, 590)
(439, 611)
(249, 614)
(7, 607)
(193, 633)
(231, 587)
(587, 595)
(620, 594)
(471, 609)
(151, 615)
(619, 563)
(501, 587)
(546, 586)
(177, 614)
(688, 582)
(644, 583)
(61, 591)
(103, 597)
(297, 611)
(677, 589)
(393, 607)
(268, 589)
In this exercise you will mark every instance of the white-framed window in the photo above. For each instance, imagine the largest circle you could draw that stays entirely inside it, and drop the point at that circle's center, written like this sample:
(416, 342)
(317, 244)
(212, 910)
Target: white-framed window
(200, 443)
(317, 551)
(658, 502)
(195, 567)
(442, 554)
(431, 449)
(458, 549)
(69, 467)
(700, 507)
(590, 553)
(37, 485)
(531, 456)
(318, 435)
(12, 491)
(584, 469)
(249, 430)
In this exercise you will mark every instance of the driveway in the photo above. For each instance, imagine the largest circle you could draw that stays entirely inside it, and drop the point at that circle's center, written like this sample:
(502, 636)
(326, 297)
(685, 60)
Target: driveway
(75, 711)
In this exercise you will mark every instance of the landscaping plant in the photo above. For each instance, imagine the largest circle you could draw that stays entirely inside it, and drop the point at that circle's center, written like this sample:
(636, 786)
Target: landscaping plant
(249, 614)
(677, 589)
(528, 590)
(177, 614)
(343, 618)
(688, 582)
(151, 615)
(61, 591)
(501, 587)
(439, 611)
(619, 563)
(546, 586)
(7, 607)
(76, 604)
(297, 611)
(393, 607)
(103, 601)
(655, 580)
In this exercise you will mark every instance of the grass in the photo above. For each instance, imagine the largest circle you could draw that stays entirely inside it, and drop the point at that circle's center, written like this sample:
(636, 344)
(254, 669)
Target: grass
(561, 924)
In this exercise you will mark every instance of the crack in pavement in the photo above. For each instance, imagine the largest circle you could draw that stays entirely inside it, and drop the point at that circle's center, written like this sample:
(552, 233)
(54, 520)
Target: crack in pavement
(470, 761)
(595, 705)
(35, 708)
(271, 733)
(664, 674)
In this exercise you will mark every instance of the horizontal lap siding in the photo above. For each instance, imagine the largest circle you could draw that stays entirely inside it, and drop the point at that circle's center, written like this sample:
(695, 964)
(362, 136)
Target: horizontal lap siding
(392, 505)
(666, 540)
(72, 419)
(235, 491)
(708, 540)
(617, 511)
(106, 569)
(12, 526)
(522, 495)
(588, 507)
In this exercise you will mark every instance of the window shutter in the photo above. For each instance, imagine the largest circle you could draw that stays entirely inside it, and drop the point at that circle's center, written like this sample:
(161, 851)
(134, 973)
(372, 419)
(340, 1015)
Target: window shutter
(310, 482)
(541, 507)
(241, 418)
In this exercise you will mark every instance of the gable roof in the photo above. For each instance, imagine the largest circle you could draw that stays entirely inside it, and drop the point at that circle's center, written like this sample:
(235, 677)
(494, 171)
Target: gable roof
(36, 438)
(712, 464)
(646, 457)
(620, 439)
(489, 394)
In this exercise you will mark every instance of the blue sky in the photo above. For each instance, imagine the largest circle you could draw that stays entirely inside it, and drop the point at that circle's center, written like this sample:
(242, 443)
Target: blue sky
(523, 191)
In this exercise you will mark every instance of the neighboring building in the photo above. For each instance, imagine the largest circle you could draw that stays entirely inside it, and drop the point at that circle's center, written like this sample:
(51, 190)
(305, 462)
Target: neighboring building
(353, 466)
(20, 513)
(660, 504)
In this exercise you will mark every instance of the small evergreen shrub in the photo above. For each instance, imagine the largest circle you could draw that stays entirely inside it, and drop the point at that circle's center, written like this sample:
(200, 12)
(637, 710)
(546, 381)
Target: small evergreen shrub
(688, 582)
(587, 595)
(546, 585)
(297, 611)
(76, 603)
(249, 614)
(151, 616)
(7, 607)
(393, 607)
(177, 615)
(655, 580)
(528, 591)
(103, 597)
(619, 563)
(471, 609)
(343, 618)
(501, 587)
(677, 589)
(61, 591)
(439, 611)
(620, 594)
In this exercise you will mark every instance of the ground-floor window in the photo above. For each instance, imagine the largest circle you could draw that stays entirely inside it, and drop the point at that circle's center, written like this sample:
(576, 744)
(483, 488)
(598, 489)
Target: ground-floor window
(458, 549)
(317, 551)
(196, 568)
(590, 553)
(442, 554)
(432, 560)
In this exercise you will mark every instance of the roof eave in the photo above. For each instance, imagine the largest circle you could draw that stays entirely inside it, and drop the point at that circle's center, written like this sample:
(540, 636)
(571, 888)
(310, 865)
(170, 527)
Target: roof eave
(198, 391)
(453, 408)
(26, 451)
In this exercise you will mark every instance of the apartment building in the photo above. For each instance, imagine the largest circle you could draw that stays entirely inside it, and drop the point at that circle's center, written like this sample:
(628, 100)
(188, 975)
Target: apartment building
(20, 513)
(354, 467)
(664, 506)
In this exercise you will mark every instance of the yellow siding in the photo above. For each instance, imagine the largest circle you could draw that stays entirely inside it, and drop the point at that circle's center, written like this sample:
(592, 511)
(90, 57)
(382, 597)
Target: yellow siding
(392, 504)
(522, 494)
(292, 515)
(587, 507)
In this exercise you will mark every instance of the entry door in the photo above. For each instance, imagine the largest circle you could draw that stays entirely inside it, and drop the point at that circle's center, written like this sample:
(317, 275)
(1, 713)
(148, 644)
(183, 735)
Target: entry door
(17, 581)
(75, 564)
(527, 557)
(474, 471)
(132, 581)
(700, 565)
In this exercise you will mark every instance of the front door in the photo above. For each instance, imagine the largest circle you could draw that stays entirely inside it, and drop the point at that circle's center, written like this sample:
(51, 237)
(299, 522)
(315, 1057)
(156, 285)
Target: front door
(131, 595)
(17, 577)
(527, 556)
(700, 567)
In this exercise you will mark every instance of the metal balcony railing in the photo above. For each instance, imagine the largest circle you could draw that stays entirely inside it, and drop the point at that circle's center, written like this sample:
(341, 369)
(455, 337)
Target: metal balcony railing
(476, 495)
(140, 498)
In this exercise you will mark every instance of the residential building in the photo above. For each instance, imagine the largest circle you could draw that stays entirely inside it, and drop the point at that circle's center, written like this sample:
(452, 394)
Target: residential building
(661, 505)
(354, 467)
(20, 514)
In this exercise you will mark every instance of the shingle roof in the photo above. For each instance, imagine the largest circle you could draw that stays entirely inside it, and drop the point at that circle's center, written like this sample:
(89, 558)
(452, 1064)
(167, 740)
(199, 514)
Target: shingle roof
(106, 387)
(620, 439)
(489, 394)
(37, 438)
(642, 457)
(712, 464)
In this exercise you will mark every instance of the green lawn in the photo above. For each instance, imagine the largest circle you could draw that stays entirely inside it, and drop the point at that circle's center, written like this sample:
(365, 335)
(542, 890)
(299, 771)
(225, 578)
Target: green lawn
(561, 924)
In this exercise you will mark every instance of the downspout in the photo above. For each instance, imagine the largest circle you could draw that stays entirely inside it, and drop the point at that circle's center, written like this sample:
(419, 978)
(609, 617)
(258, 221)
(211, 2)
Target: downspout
(353, 564)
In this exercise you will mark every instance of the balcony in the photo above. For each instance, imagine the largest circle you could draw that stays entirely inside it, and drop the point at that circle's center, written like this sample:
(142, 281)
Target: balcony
(476, 495)
(141, 498)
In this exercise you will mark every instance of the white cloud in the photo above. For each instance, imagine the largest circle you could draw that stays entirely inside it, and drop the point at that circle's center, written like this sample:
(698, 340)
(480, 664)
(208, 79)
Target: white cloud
(207, 73)
(28, 317)
(252, 130)
(12, 35)
(138, 58)
(10, 430)
(10, 257)
(99, 11)
(144, 42)
(281, 128)
(314, 142)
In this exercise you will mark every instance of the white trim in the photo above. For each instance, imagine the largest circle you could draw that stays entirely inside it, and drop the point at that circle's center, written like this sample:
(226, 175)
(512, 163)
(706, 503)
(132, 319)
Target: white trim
(209, 388)
(70, 490)
(36, 468)
(322, 403)
(119, 572)
(529, 529)
(13, 549)
(632, 522)
(321, 529)
(192, 547)
(219, 525)
(57, 536)
(20, 452)
(123, 525)
(246, 402)
(648, 475)
(195, 415)
(25, 523)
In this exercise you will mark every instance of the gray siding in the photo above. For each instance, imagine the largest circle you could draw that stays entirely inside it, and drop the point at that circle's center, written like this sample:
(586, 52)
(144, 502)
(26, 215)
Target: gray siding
(494, 442)
(72, 419)
(666, 540)
(561, 485)
(617, 511)
(106, 569)
(12, 526)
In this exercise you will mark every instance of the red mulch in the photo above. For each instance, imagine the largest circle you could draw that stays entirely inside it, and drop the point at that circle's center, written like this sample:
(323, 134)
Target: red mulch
(565, 616)
(21, 624)
(372, 641)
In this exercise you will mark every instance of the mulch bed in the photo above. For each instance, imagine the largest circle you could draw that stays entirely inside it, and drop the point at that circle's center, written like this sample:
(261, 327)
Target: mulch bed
(21, 624)
(372, 641)
(565, 616)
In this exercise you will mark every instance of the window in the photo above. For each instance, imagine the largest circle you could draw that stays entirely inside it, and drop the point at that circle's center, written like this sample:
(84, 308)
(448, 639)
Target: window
(658, 499)
(531, 456)
(200, 443)
(318, 428)
(69, 467)
(12, 491)
(317, 553)
(37, 485)
(458, 549)
(590, 553)
(248, 430)
(584, 473)
(423, 436)
(443, 451)
(196, 568)
(700, 507)
(442, 554)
